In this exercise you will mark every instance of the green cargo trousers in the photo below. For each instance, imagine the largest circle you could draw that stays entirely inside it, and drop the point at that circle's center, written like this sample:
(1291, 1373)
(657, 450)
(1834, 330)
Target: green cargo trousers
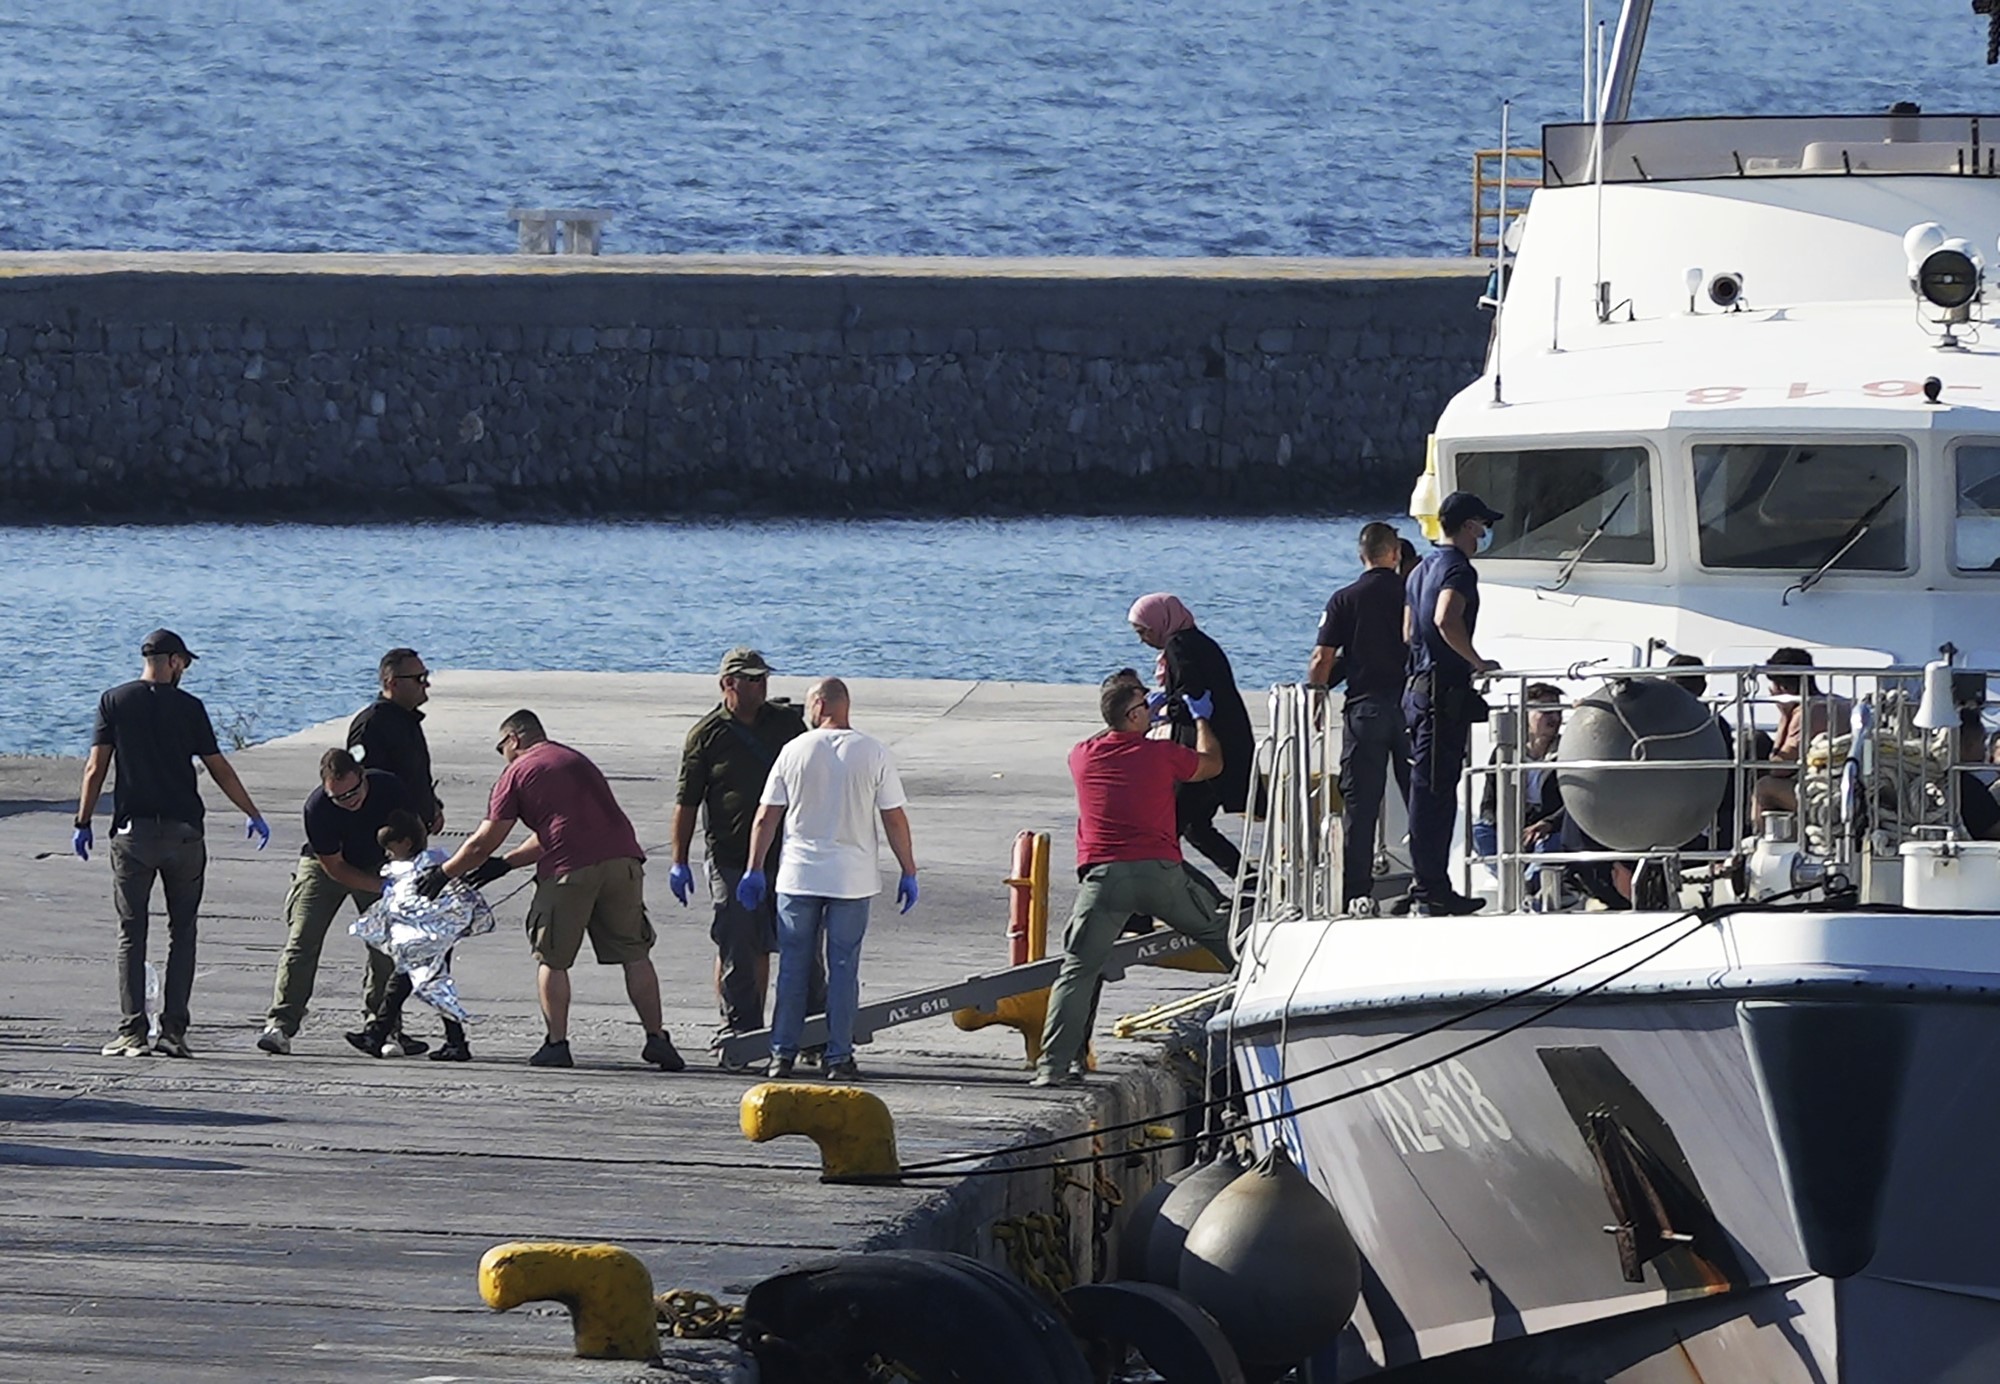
(1108, 895)
(315, 898)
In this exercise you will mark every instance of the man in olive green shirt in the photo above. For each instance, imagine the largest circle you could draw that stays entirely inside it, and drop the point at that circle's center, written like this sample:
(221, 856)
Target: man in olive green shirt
(724, 763)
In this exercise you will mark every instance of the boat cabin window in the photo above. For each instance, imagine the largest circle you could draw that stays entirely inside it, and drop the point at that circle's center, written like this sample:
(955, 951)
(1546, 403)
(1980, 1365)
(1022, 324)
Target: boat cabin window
(1792, 506)
(1976, 535)
(1556, 499)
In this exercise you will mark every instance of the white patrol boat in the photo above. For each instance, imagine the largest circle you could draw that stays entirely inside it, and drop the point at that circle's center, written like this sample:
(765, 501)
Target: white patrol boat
(1743, 392)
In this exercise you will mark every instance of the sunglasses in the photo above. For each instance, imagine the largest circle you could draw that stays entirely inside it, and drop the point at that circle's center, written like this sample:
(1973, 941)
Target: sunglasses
(424, 678)
(500, 745)
(360, 786)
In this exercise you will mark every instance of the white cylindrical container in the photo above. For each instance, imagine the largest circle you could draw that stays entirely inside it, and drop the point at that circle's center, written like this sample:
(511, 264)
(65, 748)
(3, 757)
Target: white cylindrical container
(1951, 875)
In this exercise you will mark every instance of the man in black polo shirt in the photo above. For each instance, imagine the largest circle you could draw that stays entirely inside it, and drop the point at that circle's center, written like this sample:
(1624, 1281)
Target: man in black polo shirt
(1361, 640)
(341, 860)
(1439, 704)
(389, 732)
(153, 732)
(724, 763)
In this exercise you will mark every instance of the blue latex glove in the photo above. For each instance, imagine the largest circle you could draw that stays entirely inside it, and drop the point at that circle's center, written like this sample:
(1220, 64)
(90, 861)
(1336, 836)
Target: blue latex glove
(260, 829)
(906, 893)
(1201, 708)
(750, 889)
(1156, 702)
(680, 879)
(82, 842)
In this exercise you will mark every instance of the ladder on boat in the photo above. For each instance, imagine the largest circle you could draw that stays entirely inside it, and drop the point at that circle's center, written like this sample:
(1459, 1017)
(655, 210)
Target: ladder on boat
(1497, 175)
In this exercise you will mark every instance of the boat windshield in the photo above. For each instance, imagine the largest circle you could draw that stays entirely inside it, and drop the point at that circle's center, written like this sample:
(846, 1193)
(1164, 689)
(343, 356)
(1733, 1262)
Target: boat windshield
(1976, 541)
(1555, 500)
(1791, 505)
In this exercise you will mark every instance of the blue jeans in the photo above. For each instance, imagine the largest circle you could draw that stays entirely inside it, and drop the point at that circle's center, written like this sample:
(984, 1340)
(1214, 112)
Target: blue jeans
(801, 920)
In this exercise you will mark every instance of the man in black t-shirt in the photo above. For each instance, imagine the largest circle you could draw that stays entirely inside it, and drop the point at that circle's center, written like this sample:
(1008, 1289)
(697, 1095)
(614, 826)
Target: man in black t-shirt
(151, 732)
(341, 860)
(1361, 641)
(388, 733)
(724, 762)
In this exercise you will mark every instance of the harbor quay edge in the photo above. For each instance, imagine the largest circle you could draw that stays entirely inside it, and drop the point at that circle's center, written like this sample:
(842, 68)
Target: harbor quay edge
(170, 385)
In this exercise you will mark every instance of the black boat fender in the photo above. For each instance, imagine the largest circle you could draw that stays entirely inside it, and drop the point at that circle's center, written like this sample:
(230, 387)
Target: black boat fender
(947, 1319)
(1179, 1341)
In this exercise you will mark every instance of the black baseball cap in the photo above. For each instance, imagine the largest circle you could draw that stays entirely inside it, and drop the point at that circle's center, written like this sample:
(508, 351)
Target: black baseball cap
(163, 642)
(1462, 505)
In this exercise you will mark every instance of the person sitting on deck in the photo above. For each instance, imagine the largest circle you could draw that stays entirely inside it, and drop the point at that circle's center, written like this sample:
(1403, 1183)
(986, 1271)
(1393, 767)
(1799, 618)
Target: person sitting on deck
(1803, 712)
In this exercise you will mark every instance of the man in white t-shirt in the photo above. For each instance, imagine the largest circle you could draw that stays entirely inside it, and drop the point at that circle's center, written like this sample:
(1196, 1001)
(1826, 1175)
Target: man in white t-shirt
(834, 782)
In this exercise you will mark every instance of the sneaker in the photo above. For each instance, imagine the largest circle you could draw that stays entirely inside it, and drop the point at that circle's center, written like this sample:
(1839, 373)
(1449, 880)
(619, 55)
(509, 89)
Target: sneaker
(659, 1051)
(369, 1040)
(722, 1035)
(1450, 906)
(1363, 906)
(127, 1045)
(275, 1040)
(401, 1044)
(1079, 1069)
(172, 1045)
(552, 1054)
(1068, 1077)
(813, 1057)
(843, 1070)
(453, 1052)
(780, 1068)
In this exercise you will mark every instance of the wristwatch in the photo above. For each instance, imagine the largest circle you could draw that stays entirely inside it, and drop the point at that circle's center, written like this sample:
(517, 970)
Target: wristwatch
(82, 824)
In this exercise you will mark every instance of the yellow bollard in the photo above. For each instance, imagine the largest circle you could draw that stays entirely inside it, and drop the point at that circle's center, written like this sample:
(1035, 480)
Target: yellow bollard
(1038, 899)
(854, 1130)
(607, 1290)
(1027, 1014)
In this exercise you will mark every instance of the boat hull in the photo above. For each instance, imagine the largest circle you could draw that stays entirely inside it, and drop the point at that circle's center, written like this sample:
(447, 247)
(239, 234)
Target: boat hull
(1764, 1186)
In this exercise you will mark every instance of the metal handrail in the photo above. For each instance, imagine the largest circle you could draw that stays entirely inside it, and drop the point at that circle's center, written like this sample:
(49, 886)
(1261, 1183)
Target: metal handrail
(1902, 784)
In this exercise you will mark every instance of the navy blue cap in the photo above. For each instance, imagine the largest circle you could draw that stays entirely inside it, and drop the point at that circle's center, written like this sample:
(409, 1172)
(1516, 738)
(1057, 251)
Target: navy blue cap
(1462, 505)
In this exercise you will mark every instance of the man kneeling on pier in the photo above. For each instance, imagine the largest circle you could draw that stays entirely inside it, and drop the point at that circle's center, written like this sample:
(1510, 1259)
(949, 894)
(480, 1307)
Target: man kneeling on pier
(1128, 859)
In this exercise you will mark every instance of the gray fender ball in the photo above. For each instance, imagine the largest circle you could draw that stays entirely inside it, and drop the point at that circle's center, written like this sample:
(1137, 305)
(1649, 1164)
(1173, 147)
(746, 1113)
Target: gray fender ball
(1178, 1213)
(1272, 1261)
(1645, 722)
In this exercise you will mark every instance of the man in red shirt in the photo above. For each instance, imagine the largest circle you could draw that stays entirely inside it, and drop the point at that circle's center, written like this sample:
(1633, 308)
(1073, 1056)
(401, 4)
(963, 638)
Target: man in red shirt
(1128, 858)
(589, 879)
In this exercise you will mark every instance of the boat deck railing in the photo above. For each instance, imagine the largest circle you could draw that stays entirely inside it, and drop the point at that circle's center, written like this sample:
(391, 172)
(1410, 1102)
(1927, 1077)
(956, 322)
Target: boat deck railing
(1774, 146)
(1867, 779)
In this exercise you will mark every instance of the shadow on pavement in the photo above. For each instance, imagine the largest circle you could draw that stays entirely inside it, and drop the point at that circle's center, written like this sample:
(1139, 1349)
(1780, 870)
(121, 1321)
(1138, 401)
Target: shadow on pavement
(41, 1156)
(86, 1109)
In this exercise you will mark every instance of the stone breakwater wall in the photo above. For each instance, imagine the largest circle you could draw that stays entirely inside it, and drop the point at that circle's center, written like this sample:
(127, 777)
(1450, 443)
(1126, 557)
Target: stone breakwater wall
(172, 385)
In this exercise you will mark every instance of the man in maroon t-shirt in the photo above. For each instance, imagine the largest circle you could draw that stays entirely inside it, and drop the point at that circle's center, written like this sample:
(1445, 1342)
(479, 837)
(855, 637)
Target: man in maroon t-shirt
(589, 879)
(1128, 858)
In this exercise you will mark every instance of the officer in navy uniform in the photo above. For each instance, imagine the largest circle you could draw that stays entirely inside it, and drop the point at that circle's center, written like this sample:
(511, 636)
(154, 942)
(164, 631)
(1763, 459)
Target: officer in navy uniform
(1439, 703)
(1360, 642)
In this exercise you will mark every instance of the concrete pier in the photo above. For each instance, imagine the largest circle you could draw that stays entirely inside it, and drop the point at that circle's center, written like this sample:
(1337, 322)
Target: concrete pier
(249, 1217)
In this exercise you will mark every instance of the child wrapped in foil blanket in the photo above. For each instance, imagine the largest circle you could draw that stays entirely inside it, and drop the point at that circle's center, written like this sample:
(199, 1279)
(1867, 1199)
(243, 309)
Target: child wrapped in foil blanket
(418, 934)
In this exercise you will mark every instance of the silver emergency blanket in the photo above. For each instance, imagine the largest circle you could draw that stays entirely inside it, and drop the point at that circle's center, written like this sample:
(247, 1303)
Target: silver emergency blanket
(418, 933)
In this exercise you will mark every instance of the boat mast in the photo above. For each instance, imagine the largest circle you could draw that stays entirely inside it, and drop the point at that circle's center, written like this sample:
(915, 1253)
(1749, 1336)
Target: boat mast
(1615, 99)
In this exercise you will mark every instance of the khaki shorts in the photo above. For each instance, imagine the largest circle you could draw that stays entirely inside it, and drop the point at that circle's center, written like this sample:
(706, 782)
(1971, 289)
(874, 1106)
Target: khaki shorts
(606, 900)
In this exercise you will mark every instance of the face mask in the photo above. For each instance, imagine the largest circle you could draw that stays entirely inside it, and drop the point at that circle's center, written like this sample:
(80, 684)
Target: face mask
(1485, 540)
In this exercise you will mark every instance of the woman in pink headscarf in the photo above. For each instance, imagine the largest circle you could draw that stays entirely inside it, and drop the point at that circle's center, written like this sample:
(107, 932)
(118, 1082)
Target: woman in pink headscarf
(1192, 664)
